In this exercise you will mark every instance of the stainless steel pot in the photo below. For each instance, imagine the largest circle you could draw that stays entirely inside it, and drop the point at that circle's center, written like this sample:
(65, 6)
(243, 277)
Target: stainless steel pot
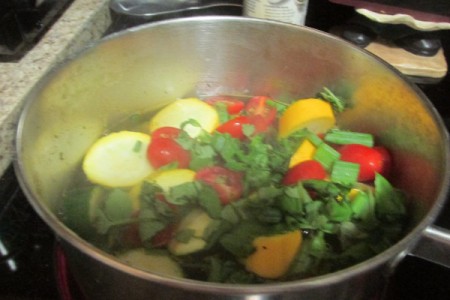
(146, 67)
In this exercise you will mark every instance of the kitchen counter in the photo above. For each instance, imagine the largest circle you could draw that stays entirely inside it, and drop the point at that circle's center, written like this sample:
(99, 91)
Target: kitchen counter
(82, 22)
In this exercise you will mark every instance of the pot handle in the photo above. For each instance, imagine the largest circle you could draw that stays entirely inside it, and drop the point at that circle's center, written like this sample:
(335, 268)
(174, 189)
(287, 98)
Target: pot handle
(434, 246)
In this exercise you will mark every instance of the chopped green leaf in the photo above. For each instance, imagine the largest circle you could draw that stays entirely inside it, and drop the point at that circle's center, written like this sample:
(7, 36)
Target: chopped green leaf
(208, 199)
(389, 201)
(326, 155)
(118, 205)
(278, 105)
(344, 172)
(339, 211)
(185, 235)
(329, 96)
(248, 129)
(137, 146)
(239, 240)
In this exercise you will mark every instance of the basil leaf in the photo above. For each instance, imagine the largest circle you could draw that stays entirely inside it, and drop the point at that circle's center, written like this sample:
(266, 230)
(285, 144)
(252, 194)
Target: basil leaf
(118, 205)
(389, 201)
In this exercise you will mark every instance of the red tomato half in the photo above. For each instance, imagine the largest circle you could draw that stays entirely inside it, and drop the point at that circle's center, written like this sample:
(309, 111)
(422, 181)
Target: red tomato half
(371, 160)
(163, 151)
(308, 169)
(260, 114)
(227, 183)
(234, 106)
(234, 127)
(166, 132)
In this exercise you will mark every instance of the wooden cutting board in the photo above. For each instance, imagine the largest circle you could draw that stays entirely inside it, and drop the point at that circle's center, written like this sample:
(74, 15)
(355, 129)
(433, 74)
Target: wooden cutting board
(434, 67)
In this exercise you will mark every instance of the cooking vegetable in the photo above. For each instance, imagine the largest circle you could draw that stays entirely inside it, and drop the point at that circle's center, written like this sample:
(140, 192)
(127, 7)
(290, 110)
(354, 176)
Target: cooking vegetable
(190, 234)
(234, 127)
(370, 160)
(314, 114)
(308, 169)
(167, 179)
(242, 200)
(180, 111)
(152, 262)
(274, 254)
(167, 132)
(232, 105)
(164, 151)
(349, 137)
(80, 208)
(305, 151)
(227, 183)
(108, 158)
(260, 114)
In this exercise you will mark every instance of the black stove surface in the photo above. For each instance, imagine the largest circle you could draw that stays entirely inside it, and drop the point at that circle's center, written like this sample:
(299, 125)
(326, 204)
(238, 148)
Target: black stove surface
(31, 266)
(23, 22)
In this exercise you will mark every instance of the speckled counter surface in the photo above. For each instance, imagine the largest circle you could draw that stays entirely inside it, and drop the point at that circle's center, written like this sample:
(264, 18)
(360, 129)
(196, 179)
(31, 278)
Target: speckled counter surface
(82, 22)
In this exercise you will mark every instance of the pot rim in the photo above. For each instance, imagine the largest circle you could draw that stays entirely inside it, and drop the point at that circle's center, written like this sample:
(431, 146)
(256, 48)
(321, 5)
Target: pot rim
(398, 250)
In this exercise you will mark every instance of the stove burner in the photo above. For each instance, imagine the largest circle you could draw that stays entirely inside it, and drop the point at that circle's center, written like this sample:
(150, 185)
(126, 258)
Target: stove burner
(24, 22)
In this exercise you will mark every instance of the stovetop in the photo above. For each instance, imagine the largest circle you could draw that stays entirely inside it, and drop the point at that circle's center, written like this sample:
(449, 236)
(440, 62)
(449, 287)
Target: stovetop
(33, 267)
(24, 22)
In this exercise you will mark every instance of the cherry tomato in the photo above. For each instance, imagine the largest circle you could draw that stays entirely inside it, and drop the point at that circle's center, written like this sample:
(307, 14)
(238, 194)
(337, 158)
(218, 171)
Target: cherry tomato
(163, 237)
(227, 183)
(234, 106)
(163, 151)
(308, 169)
(260, 114)
(386, 158)
(234, 127)
(166, 132)
(371, 160)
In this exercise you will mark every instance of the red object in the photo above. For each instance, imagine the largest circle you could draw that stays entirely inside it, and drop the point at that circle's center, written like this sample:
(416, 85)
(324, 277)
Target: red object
(309, 169)
(163, 151)
(234, 106)
(234, 127)
(371, 160)
(166, 132)
(260, 114)
(227, 183)
(164, 236)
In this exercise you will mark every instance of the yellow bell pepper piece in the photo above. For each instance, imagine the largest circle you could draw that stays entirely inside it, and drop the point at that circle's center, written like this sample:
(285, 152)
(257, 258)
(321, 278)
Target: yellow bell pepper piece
(274, 254)
(304, 152)
(315, 114)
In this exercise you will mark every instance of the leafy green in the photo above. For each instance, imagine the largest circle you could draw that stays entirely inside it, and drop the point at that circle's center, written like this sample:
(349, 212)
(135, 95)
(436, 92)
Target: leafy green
(342, 137)
(328, 95)
(239, 240)
(344, 172)
(339, 227)
(390, 201)
(326, 155)
(118, 205)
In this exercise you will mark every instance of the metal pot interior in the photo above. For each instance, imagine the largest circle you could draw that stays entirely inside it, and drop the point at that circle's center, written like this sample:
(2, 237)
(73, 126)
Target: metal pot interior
(145, 68)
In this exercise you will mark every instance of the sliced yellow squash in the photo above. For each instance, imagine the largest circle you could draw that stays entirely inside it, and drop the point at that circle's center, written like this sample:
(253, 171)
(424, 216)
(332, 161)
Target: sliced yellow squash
(314, 114)
(196, 221)
(170, 178)
(165, 179)
(181, 111)
(154, 263)
(118, 159)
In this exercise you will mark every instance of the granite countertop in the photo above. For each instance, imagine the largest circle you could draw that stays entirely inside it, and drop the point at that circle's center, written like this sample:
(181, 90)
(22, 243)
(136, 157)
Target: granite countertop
(82, 22)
